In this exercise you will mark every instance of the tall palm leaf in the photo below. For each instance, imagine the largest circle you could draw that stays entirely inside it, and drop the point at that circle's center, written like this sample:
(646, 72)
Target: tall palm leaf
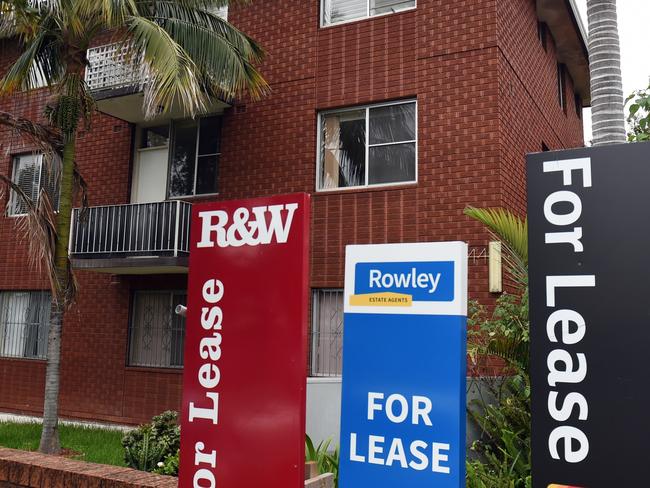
(512, 231)
(605, 70)
(189, 54)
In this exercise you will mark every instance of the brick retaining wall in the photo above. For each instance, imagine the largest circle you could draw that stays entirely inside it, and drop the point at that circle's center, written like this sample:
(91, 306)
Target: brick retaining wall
(20, 469)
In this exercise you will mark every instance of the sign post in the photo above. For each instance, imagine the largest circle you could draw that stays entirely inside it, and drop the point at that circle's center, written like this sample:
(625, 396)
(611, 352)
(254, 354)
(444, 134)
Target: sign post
(244, 380)
(404, 360)
(589, 288)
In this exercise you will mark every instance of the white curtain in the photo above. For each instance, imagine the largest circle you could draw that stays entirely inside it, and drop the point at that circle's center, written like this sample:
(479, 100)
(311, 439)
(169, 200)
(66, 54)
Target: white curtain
(13, 307)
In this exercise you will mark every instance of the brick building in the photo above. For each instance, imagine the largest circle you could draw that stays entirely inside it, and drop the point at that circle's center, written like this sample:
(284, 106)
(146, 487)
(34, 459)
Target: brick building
(394, 116)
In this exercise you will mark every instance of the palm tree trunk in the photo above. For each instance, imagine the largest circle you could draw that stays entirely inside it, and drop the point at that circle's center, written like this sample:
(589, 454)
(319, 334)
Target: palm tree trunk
(607, 106)
(50, 435)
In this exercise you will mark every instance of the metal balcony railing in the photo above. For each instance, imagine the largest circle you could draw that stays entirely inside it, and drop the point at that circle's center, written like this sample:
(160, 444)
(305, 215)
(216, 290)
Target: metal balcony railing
(143, 229)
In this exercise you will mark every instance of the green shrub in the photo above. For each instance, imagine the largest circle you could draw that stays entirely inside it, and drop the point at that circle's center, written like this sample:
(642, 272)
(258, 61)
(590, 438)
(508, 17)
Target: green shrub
(503, 450)
(169, 466)
(328, 461)
(151, 444)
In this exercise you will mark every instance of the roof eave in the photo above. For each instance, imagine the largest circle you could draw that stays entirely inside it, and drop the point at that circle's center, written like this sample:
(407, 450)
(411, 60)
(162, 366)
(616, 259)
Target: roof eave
(570, 35)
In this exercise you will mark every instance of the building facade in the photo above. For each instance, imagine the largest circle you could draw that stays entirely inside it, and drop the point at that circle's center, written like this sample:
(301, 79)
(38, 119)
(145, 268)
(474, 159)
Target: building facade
(394, 116)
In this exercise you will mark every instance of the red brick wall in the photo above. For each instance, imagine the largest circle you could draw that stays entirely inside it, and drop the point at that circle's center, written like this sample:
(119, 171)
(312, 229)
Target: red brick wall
(486, 95)
(530, 112)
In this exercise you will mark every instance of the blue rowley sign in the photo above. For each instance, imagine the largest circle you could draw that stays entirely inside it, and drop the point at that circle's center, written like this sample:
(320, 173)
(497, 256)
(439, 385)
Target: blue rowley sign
(424, 282)
(403, 405)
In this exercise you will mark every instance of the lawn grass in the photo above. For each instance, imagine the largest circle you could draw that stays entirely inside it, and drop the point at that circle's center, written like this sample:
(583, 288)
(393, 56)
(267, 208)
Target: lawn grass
(95, 445)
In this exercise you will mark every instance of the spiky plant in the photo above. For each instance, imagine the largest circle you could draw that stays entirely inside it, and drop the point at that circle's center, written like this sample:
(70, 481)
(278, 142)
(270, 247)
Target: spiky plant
(504, 447)
(189, 54)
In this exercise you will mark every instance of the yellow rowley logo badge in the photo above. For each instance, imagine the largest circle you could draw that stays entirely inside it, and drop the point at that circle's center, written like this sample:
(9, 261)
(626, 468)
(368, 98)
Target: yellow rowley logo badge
(562, 486)
(387, 299)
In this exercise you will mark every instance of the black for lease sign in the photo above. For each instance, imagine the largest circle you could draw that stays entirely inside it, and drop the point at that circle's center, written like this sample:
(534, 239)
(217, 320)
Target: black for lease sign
(589, 235)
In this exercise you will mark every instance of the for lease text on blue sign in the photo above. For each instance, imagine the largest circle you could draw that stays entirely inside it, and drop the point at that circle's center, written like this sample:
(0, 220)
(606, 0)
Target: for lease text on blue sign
(403, 404)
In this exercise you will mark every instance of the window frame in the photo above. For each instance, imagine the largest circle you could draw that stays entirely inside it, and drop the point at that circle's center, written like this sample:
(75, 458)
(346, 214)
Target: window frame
(171, 145)
(171, 293)
(367, 107)
(323, 25)
(12, 201)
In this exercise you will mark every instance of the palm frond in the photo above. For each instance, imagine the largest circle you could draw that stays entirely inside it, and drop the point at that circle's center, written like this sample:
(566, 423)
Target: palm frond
(513, 351)
(19, 76)
(44, 138)
(38, 227)
(172, 74)
(512, 231)
(111, 14)
(224, 56)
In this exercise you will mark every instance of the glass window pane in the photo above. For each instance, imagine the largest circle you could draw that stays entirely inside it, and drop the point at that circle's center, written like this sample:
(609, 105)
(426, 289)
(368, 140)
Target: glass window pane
(343, 149)
(181, 169)
(341, 10)
(392, 164)
(210, 135)
(388, 6)
(206, 174)
(393, 123)
(155, 136)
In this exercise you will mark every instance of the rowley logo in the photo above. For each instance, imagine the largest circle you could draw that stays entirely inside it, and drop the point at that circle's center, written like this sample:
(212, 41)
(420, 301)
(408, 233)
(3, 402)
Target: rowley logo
(400, 284)
(248, 228)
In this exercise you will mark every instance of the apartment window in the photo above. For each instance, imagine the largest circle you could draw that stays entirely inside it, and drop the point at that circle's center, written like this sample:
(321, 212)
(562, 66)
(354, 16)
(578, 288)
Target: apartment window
(24, 324)
(578, 100)
(31, 175)
(194, 157)
(326, 332)
(561, 85)
(365, 146)
(156, 333)
(337, 11)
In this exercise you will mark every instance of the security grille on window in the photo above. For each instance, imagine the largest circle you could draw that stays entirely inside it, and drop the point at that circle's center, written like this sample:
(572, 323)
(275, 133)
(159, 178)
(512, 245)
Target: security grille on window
(31, 175)
(336, 11)
(24, 324)
(194, 158)
(374, 145)
(327, 333)
(157, 334)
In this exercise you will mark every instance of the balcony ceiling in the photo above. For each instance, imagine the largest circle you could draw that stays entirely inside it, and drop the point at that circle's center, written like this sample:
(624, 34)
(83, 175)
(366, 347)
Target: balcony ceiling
(126, 104)
(565, 24)
(133, 266)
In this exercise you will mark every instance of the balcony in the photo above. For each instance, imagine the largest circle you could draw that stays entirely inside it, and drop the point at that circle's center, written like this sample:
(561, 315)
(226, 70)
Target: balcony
(118, 84)
(146, 238)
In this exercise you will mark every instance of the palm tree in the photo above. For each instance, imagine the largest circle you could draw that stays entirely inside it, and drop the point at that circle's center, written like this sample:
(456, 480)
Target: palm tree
(190, 54)
(605, 70)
